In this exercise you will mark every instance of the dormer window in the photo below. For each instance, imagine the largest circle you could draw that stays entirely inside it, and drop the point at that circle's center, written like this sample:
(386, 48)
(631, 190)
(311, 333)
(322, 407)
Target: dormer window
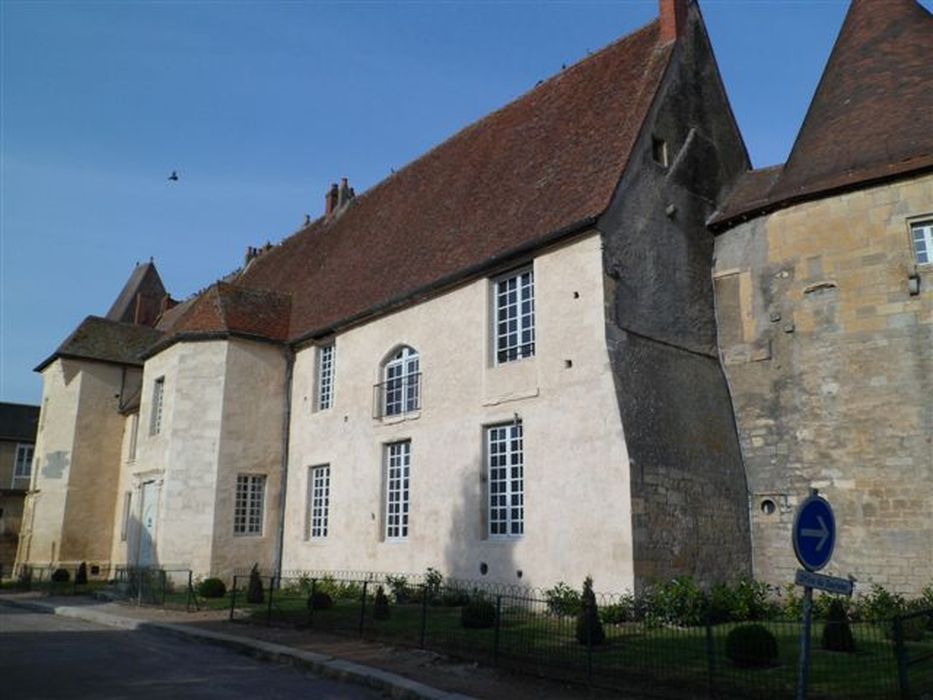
(400, 390)
(659, 151)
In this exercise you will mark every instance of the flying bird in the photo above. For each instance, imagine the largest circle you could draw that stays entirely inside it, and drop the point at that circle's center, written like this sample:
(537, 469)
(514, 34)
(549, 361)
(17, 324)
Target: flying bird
(174, 176)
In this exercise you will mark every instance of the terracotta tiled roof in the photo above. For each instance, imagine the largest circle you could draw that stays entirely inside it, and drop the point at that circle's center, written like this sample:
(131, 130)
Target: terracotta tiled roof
(228, 309)
(870, 118)
(107, 341)
(548, 162)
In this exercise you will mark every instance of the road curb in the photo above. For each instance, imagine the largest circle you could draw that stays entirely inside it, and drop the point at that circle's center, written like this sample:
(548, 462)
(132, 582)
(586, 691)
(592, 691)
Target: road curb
(392, 684)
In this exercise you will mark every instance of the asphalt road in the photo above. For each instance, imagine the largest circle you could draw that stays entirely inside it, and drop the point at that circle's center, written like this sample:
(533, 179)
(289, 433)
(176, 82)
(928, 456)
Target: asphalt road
(46, 656)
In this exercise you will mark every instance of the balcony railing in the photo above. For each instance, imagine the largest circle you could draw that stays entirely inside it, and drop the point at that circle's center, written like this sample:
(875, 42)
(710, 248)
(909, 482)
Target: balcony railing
(397, 396)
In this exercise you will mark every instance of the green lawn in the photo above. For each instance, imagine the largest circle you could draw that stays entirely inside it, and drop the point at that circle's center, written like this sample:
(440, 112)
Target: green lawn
(546, 644)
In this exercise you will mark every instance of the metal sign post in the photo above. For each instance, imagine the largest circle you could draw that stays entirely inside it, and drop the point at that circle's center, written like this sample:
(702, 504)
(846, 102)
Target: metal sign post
(814, 538)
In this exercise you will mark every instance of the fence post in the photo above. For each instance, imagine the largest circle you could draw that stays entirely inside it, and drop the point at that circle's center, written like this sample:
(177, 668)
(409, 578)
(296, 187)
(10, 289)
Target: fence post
(163, 575)
(900, 651)
(424, 612)
(710, 659)
(311, 604)
(139, 588)
(495, 638)
(269, 607)
(363, 607)
(188, 592)
(233, 598)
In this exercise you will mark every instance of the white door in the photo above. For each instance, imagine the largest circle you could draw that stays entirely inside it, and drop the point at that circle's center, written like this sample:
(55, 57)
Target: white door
(149, 512)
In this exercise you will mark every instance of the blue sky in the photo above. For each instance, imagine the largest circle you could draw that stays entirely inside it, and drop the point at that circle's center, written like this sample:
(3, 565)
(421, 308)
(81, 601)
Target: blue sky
(260, 105)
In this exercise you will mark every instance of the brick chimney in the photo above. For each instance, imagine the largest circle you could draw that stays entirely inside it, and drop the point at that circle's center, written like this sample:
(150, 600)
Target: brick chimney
(673, 15)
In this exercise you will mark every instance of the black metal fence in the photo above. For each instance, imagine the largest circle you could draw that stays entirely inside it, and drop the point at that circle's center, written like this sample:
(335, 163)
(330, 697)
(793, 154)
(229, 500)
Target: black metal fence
(61, 580)
(172, 588)
(521, 629)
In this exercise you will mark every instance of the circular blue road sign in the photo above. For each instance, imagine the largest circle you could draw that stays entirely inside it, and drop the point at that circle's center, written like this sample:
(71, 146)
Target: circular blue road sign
(814, 533)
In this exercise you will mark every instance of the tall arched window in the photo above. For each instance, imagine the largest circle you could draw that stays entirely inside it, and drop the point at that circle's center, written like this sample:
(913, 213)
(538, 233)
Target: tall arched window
(401, 383)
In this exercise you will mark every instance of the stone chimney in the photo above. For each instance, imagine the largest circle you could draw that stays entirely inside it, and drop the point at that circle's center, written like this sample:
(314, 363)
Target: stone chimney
(338, 199)
(330, 200)
(673, 15)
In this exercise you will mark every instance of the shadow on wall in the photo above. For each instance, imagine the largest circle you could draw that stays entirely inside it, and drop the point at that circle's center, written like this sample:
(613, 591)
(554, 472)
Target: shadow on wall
(469, 553)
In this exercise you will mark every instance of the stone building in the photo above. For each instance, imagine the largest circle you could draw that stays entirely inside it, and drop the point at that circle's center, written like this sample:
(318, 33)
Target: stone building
(824, 290)
(518, 357)
(18, 425)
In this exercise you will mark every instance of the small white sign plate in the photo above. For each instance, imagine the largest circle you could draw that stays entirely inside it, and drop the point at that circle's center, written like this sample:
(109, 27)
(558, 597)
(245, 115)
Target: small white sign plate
(830, 584)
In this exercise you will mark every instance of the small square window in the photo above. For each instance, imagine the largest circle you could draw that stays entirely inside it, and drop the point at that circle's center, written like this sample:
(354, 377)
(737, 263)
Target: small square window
(921, 235)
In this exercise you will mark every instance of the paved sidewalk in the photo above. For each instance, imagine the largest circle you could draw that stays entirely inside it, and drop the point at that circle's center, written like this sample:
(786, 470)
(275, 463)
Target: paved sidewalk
(398, 672)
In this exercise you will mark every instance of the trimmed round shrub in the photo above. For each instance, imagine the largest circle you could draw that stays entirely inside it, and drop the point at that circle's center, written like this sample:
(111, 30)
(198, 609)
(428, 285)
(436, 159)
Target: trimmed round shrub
(381, 605)
(81, 574)
(479, 613)
(751, 646)
(837, 635)
(212, 588)
(320, 600)
(61, 576)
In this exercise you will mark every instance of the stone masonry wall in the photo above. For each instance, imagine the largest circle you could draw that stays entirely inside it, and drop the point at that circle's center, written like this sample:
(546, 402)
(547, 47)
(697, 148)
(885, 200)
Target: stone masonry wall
(830, 361)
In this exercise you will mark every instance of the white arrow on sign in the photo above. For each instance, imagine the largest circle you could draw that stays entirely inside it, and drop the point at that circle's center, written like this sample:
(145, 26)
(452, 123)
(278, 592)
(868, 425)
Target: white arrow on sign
(822, 533)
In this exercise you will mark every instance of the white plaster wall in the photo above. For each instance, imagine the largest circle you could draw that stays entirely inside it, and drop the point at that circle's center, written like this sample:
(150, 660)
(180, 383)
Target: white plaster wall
(44, 510)
(251, 443)
(68, 517)
(126, 482)
(183, 456)
(95, 467)
(577, 512)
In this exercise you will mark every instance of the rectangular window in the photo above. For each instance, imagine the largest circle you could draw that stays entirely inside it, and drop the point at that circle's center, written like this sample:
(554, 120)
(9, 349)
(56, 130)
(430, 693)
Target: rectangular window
(158, 392)
(23, 467)
(247, 513)
(398, 472)
(134, 430)
(325, 377)
(319, 501)
(921, 232)
(127, 504)
(505, 459)
(515, 316)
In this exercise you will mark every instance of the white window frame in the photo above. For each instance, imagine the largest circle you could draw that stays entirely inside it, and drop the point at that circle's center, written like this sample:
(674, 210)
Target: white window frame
(22, 466)
(326, 360)
(513, 310)
(318, 502)
(921, 240)
(505, 472)
(397, 490)
(158, 401)
(249, 505)
(401, 386)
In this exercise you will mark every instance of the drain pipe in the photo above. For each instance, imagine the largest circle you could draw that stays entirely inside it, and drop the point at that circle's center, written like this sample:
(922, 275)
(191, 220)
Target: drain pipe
(283, 472)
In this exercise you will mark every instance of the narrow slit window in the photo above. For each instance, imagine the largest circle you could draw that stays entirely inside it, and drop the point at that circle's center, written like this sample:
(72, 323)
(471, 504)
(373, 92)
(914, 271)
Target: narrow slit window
(659, 151)
(325, 377)
(158, 394)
